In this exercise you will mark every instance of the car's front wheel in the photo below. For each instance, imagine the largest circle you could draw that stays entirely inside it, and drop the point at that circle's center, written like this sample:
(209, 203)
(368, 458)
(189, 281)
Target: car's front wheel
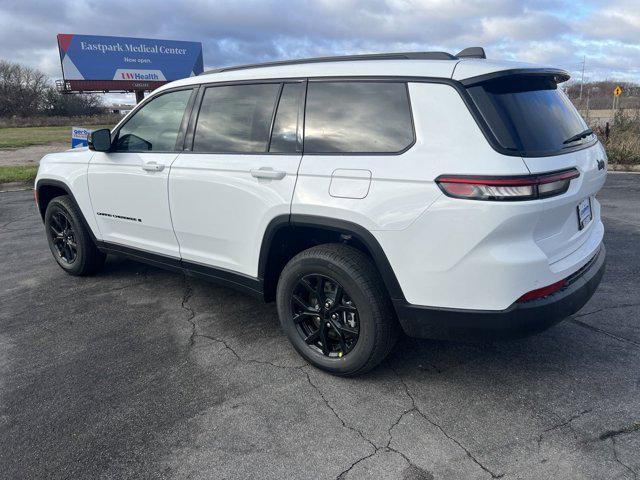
(335, 310)
(69, 239)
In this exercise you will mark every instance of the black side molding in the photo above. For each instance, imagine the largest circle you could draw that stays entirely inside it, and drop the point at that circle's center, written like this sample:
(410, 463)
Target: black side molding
(338, 226)
(238, 281)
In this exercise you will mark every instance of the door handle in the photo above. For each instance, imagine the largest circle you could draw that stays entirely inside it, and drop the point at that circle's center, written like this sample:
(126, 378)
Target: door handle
(269, 173)
(153, 167)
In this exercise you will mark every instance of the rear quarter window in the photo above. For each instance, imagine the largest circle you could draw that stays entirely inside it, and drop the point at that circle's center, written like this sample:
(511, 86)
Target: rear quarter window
(357, 117)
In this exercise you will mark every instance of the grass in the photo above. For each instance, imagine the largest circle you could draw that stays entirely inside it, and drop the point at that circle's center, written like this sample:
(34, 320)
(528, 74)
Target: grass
(623, 146)
(20, 173)
(19, 137)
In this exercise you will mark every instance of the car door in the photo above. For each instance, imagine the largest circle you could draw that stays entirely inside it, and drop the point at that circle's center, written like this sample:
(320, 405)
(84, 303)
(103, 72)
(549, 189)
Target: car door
(239, 174)
(128, 184)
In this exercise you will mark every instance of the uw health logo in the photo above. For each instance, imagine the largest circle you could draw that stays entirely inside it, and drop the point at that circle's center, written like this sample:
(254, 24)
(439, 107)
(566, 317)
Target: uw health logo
(146, 75)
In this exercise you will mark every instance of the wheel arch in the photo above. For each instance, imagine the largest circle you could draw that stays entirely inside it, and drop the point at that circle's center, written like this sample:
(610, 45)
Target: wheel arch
(287, 235)
(48, 189)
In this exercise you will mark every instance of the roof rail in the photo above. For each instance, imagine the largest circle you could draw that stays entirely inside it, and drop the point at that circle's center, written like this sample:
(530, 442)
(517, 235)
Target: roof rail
(343, 58)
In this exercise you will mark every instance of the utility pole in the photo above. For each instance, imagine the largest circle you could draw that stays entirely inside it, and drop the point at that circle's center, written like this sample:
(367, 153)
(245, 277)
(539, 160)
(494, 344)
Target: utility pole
(584, 59)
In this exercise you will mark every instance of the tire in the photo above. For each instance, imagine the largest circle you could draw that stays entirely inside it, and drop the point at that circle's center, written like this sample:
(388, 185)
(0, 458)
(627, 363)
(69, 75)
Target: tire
(363, 292)
(63, 216)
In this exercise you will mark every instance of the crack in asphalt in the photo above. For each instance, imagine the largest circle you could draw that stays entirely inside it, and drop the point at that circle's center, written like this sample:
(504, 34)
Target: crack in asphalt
(612, 307)
(562, 424)
(621, 431)
(186, 305)
(603, 332)
(344, 424)
(186, 297)
(617, 459)
(4, 225)
(442, 430)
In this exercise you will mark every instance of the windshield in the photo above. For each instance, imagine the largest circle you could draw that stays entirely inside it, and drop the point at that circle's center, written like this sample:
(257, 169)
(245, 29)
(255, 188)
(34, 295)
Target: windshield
(530, 115)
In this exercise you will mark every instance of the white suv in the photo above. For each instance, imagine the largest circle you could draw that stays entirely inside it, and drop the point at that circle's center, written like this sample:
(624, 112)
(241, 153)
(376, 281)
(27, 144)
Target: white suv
(442, 195)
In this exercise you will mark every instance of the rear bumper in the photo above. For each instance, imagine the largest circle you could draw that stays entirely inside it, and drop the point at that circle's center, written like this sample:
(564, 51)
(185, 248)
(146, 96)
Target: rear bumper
(519, 320)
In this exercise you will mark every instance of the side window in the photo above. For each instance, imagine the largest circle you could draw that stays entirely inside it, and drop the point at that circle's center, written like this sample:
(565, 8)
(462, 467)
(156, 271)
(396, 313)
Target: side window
(357, 117)
(155, 126)
(284, 138)
(236, 118)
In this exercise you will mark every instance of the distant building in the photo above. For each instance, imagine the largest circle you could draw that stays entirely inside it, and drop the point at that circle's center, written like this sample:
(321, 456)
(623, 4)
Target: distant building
(599, 117)
(121, 109)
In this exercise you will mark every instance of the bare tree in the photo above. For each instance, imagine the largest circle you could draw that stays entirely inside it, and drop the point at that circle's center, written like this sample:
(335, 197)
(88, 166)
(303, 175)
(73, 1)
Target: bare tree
(22, 89)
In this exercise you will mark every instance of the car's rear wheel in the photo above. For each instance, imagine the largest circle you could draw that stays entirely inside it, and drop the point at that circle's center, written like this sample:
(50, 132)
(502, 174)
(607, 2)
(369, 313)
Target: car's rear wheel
(69, 240)
(335, 310)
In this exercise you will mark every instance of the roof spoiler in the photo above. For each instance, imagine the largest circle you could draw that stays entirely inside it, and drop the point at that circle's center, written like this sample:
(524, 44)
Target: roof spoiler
(556, 74)
(472, 52)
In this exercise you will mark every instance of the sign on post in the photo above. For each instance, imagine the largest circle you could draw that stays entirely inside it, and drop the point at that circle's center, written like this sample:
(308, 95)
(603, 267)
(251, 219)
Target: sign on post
(80, 137)
(617, 91)
(101, 63)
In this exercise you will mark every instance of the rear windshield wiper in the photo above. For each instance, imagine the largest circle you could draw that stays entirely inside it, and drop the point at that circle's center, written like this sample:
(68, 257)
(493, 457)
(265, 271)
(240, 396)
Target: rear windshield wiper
(578, 136)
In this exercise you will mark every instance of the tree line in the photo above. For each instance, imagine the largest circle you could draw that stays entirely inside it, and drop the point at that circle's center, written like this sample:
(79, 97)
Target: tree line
(27, 92)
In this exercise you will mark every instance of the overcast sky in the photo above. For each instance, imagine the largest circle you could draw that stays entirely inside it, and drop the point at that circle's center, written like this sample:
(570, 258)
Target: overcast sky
(558, 33)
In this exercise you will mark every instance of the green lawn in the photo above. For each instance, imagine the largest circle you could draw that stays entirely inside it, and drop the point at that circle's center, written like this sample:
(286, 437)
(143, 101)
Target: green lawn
(18, 137)
(21, 173)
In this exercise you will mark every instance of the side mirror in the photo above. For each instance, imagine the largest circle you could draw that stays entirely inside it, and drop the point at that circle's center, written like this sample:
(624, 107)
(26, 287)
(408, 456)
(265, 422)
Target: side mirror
(100, 140)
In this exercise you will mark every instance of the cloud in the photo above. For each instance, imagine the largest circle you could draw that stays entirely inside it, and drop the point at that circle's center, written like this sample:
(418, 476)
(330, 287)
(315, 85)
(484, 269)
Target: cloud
(556, 32)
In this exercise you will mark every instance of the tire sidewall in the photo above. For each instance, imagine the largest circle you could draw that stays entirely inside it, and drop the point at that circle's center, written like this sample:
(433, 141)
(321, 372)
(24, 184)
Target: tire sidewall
(55, 206)
(361, 353)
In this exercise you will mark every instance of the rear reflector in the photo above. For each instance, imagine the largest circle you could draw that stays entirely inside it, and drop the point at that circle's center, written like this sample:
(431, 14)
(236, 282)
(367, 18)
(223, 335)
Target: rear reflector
(542, 292)
(527, 187)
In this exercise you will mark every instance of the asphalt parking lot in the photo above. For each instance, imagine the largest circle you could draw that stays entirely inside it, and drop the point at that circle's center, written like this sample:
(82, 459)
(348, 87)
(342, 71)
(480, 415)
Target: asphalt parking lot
(141, 373)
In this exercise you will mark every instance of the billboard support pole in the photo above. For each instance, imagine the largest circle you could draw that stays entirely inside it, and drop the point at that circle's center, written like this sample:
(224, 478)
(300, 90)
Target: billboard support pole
(139, 95)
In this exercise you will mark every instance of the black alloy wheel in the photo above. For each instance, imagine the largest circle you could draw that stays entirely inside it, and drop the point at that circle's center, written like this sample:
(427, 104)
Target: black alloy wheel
(335, 310)
(63, 237)
(69, 239)
(325, 315)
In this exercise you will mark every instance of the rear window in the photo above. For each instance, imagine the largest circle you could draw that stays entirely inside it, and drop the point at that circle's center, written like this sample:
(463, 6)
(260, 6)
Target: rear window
(236, 118)
(357, 117)
(529, 115)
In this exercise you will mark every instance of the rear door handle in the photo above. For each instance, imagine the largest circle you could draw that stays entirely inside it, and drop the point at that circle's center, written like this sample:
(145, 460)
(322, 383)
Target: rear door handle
(266, 172)
(153, 167)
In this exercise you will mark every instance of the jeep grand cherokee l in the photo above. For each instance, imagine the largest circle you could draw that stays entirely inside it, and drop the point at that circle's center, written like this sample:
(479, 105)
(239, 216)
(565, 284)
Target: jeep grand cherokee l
(434, 194)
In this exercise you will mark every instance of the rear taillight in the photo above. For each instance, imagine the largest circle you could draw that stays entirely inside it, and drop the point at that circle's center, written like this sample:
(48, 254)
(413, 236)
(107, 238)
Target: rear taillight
(542, 292)
(528, 187)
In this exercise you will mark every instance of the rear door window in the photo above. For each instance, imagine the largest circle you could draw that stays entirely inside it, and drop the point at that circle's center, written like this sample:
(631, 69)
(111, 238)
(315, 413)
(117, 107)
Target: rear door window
(236, 118)
(357, 117)
(529, 115)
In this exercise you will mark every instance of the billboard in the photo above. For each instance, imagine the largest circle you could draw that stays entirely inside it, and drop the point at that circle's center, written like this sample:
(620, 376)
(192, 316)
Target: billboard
(97, 63)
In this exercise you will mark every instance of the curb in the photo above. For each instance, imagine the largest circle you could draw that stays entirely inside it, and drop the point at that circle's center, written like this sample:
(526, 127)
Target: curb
(15, 186)
(624, 168)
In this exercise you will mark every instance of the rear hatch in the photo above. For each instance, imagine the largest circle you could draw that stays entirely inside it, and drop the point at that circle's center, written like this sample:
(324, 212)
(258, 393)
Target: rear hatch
(531, 117)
